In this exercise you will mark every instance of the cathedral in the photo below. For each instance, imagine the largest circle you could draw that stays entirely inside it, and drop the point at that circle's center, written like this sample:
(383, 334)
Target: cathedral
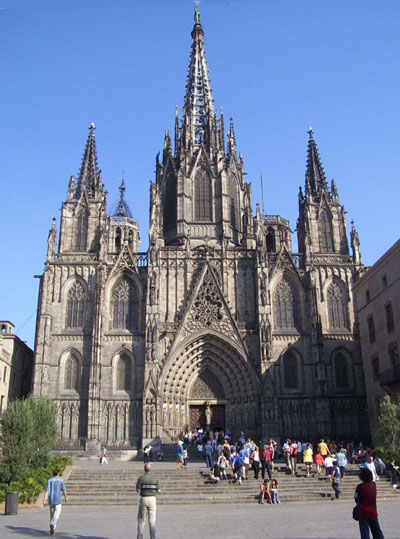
(219, 324)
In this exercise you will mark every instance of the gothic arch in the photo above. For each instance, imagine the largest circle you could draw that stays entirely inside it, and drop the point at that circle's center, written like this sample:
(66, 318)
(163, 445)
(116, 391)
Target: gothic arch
(70, 369)
(124, 294)
(123, 372)
(341, 364)
(169, 201)
(337, 299)
(81, 228)
(236, 377)
(75, 295)
(325, 231)
(291, 371)
(203, 196)
(287, 299)
(233, 198)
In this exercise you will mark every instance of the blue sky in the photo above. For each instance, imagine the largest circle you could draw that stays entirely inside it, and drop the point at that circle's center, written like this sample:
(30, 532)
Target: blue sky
(276, 67)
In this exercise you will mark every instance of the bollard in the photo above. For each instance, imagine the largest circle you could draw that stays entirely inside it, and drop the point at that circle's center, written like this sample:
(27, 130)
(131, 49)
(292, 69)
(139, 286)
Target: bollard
(11, 503)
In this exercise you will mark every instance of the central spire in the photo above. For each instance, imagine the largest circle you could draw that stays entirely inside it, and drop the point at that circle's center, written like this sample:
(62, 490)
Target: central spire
(199, 117)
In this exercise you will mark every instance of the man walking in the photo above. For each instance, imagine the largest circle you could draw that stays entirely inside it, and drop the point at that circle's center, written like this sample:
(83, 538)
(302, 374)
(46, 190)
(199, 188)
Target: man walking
(148, 486)
(54, 487)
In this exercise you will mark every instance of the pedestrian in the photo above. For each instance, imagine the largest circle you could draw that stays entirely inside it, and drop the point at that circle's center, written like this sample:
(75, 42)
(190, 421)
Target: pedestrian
(237, 467)
(265, 492)
(103, 459)
(335, 475)
(319, 461)
(148, 487)
(342, 462)
(369, 464)
(55, 486)
(208, 451)
(308, 459)
(394, 474)
(146, 454)
(365, 497)
(255, 459)
(180, 455)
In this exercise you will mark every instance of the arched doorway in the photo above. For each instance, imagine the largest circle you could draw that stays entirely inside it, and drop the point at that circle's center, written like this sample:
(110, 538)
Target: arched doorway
(207, 402)
(208, 371)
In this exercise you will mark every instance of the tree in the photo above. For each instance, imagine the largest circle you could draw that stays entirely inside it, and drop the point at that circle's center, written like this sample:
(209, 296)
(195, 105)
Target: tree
(389, 421)
(28, 434)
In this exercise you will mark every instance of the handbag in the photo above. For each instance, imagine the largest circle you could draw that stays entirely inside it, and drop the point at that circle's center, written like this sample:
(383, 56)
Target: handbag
(356, 508)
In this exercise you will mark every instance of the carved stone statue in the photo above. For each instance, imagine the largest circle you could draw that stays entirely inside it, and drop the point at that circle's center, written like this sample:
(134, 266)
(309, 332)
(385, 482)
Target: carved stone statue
(208, 414)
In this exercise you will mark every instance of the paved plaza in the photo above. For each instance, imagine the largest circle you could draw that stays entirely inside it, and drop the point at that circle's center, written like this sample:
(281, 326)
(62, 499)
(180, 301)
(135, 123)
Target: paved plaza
(300, 520)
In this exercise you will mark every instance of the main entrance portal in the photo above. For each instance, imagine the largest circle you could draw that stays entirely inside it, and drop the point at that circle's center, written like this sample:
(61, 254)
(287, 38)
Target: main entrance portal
(198, 417)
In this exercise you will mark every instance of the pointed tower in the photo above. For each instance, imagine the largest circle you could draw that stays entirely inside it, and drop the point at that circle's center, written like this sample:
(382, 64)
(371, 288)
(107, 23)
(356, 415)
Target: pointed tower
(321, 226)
(203, 193)
(84, 212)
(123, 228)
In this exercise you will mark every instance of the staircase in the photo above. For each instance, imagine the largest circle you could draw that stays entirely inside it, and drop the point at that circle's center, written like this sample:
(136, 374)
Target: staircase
(107, 486)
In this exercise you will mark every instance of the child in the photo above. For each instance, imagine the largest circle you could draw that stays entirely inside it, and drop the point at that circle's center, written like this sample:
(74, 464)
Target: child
(275, 491)
(265, 491)
(185, 457)
(319, 460)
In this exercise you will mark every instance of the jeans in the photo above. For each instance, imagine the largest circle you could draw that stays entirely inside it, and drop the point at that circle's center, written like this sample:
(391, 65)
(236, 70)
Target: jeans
(266, 465)
(55, 511)
(335, 486)
(209, 462)
(366, 524)
(147, 509)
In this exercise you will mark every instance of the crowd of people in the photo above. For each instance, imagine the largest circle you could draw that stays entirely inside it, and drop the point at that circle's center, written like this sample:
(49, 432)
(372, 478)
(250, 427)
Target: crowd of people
(328, 459)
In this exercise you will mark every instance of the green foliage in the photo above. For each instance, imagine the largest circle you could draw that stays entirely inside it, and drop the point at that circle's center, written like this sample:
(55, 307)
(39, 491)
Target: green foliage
(389, 422)
(34, 480)
(28, 434)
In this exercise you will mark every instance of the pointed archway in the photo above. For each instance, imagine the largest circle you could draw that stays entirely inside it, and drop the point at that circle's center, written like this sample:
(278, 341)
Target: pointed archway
(209, 370)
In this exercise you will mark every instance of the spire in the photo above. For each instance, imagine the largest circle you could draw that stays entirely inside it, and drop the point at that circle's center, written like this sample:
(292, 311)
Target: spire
(122, 209)
(315, 175)
(198, 110)
(355, 244)
(231, 139)
(88, 174)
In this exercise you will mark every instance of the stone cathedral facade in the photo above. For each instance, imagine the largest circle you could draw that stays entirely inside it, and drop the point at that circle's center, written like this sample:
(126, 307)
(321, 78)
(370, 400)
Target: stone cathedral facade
(219, 323)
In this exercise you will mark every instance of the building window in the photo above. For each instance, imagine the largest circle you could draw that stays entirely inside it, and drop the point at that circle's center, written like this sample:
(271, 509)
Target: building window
(394, 357)
(270, 240)
(118, 236)
(71, 373)
(290, 371)
(367, 296)
(5, 374)
(233, 198)
(389, 317)
(325, 232)
(375, 368)
(1, 403)
(337, 308)
(203, 197)
(75, 306)
(169, 202)
(371, 330)
(81, 231)
(124, 374)
(341, 371)
(384, 281)
(124, 306)
(285, 304)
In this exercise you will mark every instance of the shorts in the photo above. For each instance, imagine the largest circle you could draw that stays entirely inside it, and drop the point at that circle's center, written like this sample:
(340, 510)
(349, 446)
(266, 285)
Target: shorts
(308, 463)
(179, 460)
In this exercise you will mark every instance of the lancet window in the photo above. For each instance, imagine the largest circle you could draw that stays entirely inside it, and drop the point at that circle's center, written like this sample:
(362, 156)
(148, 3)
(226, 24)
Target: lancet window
(341, 371)
(337, 308)
(124, 301)
(170, 202)
(203, 197)
(325, 232)
(81, 231)
(285, 305)
(75, 306)
(71, 373)
(233, 201)
(270, 240)
(290, 371)
(123, 373)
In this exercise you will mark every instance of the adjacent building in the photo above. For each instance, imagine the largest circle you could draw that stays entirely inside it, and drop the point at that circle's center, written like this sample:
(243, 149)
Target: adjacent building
(377, 295)
(218, 324)
(16, 366)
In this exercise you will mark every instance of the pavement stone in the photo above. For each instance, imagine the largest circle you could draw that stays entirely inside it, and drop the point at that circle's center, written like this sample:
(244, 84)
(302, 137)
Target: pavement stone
(301, 520)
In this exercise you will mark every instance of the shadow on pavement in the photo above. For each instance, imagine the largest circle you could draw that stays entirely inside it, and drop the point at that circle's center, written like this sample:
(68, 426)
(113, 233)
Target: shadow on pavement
(32, 532)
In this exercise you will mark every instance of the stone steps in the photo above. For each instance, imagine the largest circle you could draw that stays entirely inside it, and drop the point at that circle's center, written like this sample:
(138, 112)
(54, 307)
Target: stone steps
(192, 486)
